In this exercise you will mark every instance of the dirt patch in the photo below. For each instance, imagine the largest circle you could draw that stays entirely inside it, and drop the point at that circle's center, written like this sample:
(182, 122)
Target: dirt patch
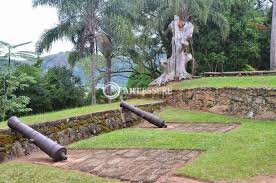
(192, 127)
(134, 165)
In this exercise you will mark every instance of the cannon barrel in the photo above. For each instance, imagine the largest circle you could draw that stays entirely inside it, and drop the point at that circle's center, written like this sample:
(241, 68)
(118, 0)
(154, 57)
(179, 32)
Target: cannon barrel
(145, 115)
(53, 149)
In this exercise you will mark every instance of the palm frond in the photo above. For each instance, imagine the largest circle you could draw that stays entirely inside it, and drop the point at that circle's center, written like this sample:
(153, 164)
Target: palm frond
(50, 36)
(21, 44)
(45, 2)
(74, 57)
(26, 52)
(221, 22)
(2, 58)
(5, 44)
(27, 57)
(6, 55)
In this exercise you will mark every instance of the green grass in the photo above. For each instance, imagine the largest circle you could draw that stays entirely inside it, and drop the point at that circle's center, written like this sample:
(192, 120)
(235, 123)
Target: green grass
(219, 82)
(21, 172)
(172, 114)
(237, 155)
(51, 116)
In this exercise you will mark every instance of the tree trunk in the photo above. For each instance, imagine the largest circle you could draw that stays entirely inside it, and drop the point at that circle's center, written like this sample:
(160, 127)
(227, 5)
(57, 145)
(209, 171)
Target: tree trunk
(91, 22)
(109, 76)
(273, 39)
(9, 57)
(175, 66)
(93, 52)
(93, 79)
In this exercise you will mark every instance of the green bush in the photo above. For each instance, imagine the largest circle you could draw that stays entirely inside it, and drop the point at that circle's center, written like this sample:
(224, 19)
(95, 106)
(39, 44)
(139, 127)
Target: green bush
(56, 89)
(10, 102)
(139, 81)
(64, 89)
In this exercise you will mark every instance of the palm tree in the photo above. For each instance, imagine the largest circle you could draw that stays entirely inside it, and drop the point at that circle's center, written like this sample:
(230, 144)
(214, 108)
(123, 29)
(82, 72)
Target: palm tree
(273, 39)
(9, 53)
(80, 22)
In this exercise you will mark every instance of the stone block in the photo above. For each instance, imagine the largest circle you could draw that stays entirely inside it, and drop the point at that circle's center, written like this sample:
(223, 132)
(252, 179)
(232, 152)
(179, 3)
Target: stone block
(267, 115)
(259, 100)
(220, 109)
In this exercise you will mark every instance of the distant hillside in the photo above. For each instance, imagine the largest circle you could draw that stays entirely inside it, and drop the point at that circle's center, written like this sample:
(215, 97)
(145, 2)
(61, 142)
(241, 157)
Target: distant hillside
(60, 60)
(56, 60)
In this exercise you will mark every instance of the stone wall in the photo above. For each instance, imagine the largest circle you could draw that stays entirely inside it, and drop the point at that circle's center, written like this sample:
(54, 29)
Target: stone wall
(250, 102)
(69, 130)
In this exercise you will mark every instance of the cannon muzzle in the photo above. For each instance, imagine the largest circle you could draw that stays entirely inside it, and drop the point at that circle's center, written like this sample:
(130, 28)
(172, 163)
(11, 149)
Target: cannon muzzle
(53, 149)
(145, 115)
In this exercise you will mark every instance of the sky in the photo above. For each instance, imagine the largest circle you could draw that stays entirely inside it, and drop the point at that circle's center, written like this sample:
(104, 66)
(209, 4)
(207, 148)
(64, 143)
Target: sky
(20, 22)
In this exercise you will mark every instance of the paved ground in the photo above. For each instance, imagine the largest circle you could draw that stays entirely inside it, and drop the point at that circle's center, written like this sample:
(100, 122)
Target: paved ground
(131, 165)
(193, 127)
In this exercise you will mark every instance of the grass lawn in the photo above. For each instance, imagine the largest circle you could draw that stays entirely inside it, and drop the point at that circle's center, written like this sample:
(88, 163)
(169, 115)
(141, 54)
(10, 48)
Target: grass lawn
(237, 155)
(219, 82)
(39, 118)
(21, 172)
(172, 114)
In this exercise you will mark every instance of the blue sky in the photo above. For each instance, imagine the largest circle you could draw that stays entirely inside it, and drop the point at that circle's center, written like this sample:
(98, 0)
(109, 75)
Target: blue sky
(20, 22)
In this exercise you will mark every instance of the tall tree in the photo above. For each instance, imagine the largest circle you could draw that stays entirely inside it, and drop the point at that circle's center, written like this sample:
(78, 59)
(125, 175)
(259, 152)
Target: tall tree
(80, 22)
(273, 39)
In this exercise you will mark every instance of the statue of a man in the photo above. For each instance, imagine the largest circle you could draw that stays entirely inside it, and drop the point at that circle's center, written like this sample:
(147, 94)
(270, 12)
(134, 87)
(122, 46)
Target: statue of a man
(175, 66)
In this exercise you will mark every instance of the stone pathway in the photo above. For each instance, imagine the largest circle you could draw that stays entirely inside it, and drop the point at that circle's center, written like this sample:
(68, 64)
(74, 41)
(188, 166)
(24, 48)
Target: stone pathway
(131, 165)
(193, 127)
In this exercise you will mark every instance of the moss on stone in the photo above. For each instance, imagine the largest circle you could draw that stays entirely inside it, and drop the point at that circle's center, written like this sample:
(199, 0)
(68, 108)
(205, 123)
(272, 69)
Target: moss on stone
(6, 139)
(55, 136)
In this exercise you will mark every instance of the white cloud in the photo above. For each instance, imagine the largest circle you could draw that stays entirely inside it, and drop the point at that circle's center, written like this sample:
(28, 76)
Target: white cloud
(20, 22)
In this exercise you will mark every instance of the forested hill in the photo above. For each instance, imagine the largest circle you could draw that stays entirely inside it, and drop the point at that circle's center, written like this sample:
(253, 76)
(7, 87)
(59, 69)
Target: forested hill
(60, 60)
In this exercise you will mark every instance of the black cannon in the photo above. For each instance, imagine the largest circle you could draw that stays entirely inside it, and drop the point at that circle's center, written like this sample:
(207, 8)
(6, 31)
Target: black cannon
(54, 150)
(145, 115)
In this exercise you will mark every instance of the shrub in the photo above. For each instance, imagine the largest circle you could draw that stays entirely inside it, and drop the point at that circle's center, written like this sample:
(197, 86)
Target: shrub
(10, 102)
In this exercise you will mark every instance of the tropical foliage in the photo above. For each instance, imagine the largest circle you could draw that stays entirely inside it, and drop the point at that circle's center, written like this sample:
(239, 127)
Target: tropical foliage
(10, 81)
(51, 91)
(10, 103)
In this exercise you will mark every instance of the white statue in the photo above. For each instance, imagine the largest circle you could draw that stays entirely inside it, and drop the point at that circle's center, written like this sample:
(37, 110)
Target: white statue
(175, 66)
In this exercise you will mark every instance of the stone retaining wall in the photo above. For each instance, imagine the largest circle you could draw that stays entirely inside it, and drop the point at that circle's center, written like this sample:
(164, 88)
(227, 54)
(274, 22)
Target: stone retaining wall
(251, 102)
(69, 130)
